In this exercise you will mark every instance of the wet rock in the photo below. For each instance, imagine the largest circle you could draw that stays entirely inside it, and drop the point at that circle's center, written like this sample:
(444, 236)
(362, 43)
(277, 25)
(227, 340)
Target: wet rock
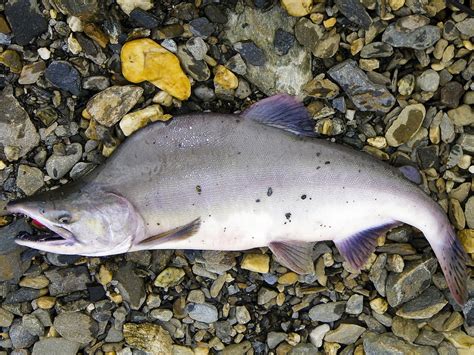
(428, 81)
(197, 69)
(283, 41)
(345, 334)
(426, 305)
(83, 9)
(30, 73)
(6, 318)
(197, 47)
(130, 285)
(16, 129)
(266, 295)
(22, 294)
(378, 273)
(63, 281)
(205, 312)
(466, 27)
(275, 338)
(416, 277)
(11, 60)
(224, 78)
(327, 312)
(215, 14)
(20, 336)
(76, 327)
(237, 349)
(58, 164)
(451, 94)
(355, 304)
(32, 325)
(321, 88)
(55, 346)
(64, 76)
(242, 315)
(286, 73)
(406, 125)
(304, 349)
(26, 20)
(366, 95)
(419, 38)
(376, 344)
(128, 6)
(406, 329)
(354, 11)
(29, 179)
(148, 337)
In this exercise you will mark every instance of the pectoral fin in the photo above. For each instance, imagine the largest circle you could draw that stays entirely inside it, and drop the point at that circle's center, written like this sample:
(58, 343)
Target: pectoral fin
(297, 256)
(357, 248)
(177, 233)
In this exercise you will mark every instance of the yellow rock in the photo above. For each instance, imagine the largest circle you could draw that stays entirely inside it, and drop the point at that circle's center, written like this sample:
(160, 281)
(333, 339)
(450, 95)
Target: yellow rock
(297, 7)
(225, 78)
(379, 305)
(37, 282)
(46, 302)
(377, 142)
(105, 275)
(131, 122)
(289, 278)
(460, 339)
(144, 59)
(256, 262)
(169, 277)
(357, 45)
(330, 22)
(12, 60)
(396, 4)
(466, 237)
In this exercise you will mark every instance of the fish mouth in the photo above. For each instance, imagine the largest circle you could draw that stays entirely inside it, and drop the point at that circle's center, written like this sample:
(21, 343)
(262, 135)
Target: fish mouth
(44, 236)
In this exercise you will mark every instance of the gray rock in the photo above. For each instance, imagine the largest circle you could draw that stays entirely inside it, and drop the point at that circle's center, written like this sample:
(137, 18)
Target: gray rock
(366, 95)
(275, 338)
(466, 141)
(428, 80)
(81, 169)
(355, 304)
(327, 312)
(29, 179)
(314, 37)
(304, 349)
(64, 76)
(251, 53)
(376, 50)
(451, 94)
(466, 27)
(237, 349)
(345, 334)
(201, 27)
(237, 65)
(84, 9)
(426, 305)
(96, 83)
(197, 47)
(205, 312)
(389, 344)
(72, 279)
(429, 338)
(6, 318)
(469, 212)
(20, 336)
(76, 327)
(55, 346)
(23, 294)
(415, 278)
(283, 41)
(204, 93)
(26, 20)
(131, 287)
(420, 38)
(378, 274)
(286, 73)
(354, 11)
(16, 129)
(58, 165)
(406, 329)
(32, 325)
(197, 69)
(265, 295)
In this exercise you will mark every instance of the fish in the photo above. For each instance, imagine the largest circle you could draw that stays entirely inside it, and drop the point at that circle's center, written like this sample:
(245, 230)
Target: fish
(235, 182)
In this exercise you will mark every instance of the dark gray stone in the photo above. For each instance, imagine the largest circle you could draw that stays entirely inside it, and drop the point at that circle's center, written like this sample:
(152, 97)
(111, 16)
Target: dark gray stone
(131, 287)
(283, 41)
(201, 27)
(20, 336)
(144, 19)
(25, 19)
(420, 38)
(327, 312)
(64, 281)
(355, 12)
(76, 327)
(389, 344)
(56, 346)
(251, 53)
(64, 76)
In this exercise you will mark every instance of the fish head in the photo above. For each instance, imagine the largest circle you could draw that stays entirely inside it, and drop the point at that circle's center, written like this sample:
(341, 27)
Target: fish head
(79, 223)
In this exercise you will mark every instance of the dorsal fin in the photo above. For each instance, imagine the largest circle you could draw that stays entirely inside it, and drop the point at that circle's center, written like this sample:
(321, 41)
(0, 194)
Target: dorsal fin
(282, 111)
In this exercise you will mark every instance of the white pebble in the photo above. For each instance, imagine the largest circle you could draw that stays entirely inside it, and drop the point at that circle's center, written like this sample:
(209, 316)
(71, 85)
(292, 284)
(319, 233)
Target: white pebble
(317, 334)
(44, 53)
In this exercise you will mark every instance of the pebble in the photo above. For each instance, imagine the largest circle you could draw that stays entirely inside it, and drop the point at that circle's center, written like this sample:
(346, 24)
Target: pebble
(321, 88)
(59, 164)
(355, 12)
(252, 54)
(406, 329)
(283, 41)
(265, 295)
(451, 94)
(419, 38)
(201, 27)
(242, 315)
(365, 95)
(256, 262)
(110, 105)
(26, 20)
(406, 85)
(345, 334)
(46, 302)
(466, 27)
(290, 278)
(30, 73)
(55, 346)
(215, 13)
(462, 115)
(148, 337)
(275, 338)
(37, 282)
(297, 7)
(426, 305)
(20, 336)
(197, 47)
(66, 280)
(327, 312)
(376, 50)
(197, 69)
(29, 179)
(202, 312)
(169, 277)
(64, 76)
(76, 326)
(144, 19)
(131, 286)
(388, 343)
(161, 67)
(132, 122)
(32, 325)
(225, 78)
(355, 304)
(11, 60)
(163, 315)
(406, 125)
(316, 336)
(6, 318)
(428, 81)
(128, 6)
(237, 65)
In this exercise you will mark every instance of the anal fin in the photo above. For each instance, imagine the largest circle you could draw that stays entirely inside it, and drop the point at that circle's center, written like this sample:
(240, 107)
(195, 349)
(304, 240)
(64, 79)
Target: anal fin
(357, 248)
(178, 233)
(297, 256)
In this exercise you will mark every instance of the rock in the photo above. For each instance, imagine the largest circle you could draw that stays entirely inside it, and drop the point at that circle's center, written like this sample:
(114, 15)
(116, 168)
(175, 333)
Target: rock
(11, 60)
(30, 73)
(197, 47)
(286, 73)
(297, 7)
(4, 27)
(327, 312)
(251, 53)
(58, 165)
(376, 50)
(29, 179)
(256, 263)
(26, 20)
(345, 334)
(462, 115)
(16, 128)
(128, 6)
(131, 286)
(242, 315)
(55, 346)
(225, 78)
(365, 95)
(32, 325)
(419, 38)
(215, 14)
(64, 76)
(303, 349)
(275, 338)
(37, 282)
(316, 336)
(406, 329)
(169, 277)
(406, 125)
(411, 282)
(376, 344)
(466, 27)
(197, 69)
(201, 27)
(237, 65)
(406, 85)
(144, 59)
(46, 302)
(110, 105)
(144, 19)
(469, 212)
(379, 305)
(76, 326)
(378, 273)
(314, 37)
(6, 318)
(266, 295)
(283, 41)
(451, 94)
(355, 304)
(321, 88)
(148, 337)
(132, 122)
(428, 81)
(204, 312)
(426, 305)
(82, 9)
(355, 12)
(237, 349)
(66, 280)
(20, 336)
(287, 279)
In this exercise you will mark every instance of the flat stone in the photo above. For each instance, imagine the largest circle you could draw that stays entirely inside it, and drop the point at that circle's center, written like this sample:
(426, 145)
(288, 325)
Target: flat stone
(58, 164)
(84, 9)
(266, 295)
(283, 41)
(201, 27)
(297, 7)
(128, 6)
(55, 346)
(29, 179)
(169, 277)
(16, 128)
(110, 105)
(419, 38)
(316, 336)
(385, 344)
(237, 349)
(26, 20)
(378, 273)
(148, 337)
(466, 27)
(376, 50)
(355, 304)
(197, 69)
(251, 53)
(275, 338)
(205, 312)
(365, 95)
(354, 11)
(256, 262)
(345, 334)
(303, 349)
(20, 336)
(64, 76)
(67, 280)
(225, 78)
(131, 286)
(407, 329)
(30, 73)
(451, 94)
(76, 326)
(144, 19)
(32, 325)
(469, 212)
(197, 47)
(426, 305)
(462, 115)
(6, 318)
(406, 125)
(286, 73)
(321, 88)
(314, 37)
(327, 312)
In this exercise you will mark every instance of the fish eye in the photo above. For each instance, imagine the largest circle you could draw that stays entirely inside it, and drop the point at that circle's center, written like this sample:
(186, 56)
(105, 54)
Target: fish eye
(64, 219)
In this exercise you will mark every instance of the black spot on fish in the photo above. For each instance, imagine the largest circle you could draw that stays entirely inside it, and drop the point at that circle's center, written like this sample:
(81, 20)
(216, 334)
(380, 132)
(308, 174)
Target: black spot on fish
(303, 197)
(327, 162)
(257, 200)
(198, 189)
(237, 121)
(318, 167)
(318, 154)
(288, 215)
(269, 191)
